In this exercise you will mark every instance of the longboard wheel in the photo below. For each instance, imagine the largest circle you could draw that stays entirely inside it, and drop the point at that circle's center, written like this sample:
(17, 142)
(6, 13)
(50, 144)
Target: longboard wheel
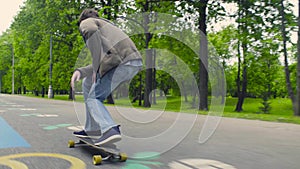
(97, 159)
(71, 144)
(123, 157)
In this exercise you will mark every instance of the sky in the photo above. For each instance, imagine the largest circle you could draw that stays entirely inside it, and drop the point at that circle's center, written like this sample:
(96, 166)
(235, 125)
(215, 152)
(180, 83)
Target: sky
(10, 8)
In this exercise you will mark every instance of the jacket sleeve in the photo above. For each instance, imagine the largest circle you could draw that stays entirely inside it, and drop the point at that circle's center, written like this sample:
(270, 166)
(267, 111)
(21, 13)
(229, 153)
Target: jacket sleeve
(91, 34)
(95, 46)
(85, 71)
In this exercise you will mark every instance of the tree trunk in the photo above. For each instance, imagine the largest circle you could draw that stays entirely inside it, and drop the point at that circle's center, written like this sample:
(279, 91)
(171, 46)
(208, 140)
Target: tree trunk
(148, 80)
(243, 93)
(154, 85)
(110, 99)
(286, 64)
(184, 92)
(140, 90)
(238, 107)
(297, 112)
(238, 81)
(242, 29)
(71, 94)
(203, 64)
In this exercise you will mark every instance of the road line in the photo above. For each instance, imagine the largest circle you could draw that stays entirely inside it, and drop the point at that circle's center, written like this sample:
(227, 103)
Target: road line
(8, 160)
(13, 164)
(199, 163)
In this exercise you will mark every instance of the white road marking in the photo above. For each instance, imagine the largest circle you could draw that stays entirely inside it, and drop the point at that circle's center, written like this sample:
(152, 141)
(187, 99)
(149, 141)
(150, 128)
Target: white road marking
(47, 115)
(16, 105)
(199, 163)
(28, 109)
(75, 128)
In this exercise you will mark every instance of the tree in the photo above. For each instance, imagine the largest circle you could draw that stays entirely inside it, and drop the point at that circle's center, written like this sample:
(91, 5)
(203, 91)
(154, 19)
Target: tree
(149, 11)
(243, 14)
(6, 63)
(224, 41)
(284, 24)
(267, 64)
(203, 65)
(200, 9)
(32, 35)
(258, 23)
(297, 112)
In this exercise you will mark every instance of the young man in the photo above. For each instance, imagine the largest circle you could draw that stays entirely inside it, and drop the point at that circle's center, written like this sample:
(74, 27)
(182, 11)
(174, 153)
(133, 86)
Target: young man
(115, 59)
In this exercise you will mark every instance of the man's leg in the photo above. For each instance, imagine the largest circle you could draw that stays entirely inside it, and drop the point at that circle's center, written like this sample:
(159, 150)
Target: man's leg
(102, 88)
(90, 124)
(91, 127)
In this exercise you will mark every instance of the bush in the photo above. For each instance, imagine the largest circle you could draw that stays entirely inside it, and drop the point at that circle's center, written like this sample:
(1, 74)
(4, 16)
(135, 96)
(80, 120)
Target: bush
(266, 108)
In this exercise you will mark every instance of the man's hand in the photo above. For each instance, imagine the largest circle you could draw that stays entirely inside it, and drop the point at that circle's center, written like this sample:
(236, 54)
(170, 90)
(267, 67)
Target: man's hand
(75, 77)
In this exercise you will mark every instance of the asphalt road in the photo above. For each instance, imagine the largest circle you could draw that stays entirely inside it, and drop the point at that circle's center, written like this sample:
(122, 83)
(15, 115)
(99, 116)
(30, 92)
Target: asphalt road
(35, 134)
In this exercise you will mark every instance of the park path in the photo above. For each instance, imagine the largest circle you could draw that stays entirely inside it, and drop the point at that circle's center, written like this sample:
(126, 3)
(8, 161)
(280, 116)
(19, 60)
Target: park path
(41, 128)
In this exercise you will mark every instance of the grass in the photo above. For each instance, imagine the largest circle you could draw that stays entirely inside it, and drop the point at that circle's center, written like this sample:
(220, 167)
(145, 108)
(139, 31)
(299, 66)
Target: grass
(281, 110)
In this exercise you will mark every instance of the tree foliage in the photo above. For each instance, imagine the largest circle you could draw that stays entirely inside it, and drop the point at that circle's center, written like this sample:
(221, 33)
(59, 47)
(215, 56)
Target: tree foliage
(250, 50)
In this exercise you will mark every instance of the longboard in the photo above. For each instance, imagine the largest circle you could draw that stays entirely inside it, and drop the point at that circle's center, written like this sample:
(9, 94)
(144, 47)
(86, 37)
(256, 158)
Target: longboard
(113, 154)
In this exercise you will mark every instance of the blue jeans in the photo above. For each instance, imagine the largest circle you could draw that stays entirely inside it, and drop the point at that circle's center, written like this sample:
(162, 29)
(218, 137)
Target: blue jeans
(98, 117)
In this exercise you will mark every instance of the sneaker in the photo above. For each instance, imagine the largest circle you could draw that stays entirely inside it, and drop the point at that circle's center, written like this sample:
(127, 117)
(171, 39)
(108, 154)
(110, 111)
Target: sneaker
(111, 136)
(83, 134)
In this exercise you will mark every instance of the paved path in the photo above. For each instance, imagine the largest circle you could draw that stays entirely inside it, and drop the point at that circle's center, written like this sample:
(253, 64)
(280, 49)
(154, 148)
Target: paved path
(35, 132)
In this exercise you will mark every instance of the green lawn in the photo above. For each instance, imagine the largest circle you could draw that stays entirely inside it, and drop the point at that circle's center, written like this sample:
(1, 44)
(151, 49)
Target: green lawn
(281, 110)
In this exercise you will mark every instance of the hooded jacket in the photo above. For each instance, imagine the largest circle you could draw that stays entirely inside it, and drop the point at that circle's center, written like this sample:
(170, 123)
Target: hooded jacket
(109, 46)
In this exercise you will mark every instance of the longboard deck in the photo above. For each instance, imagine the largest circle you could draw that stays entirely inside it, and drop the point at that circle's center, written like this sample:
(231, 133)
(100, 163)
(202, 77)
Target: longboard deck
(107, 148)
(113, 153)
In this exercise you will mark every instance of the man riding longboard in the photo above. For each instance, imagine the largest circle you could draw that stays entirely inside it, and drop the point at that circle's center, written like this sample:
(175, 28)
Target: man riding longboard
(115, 59)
